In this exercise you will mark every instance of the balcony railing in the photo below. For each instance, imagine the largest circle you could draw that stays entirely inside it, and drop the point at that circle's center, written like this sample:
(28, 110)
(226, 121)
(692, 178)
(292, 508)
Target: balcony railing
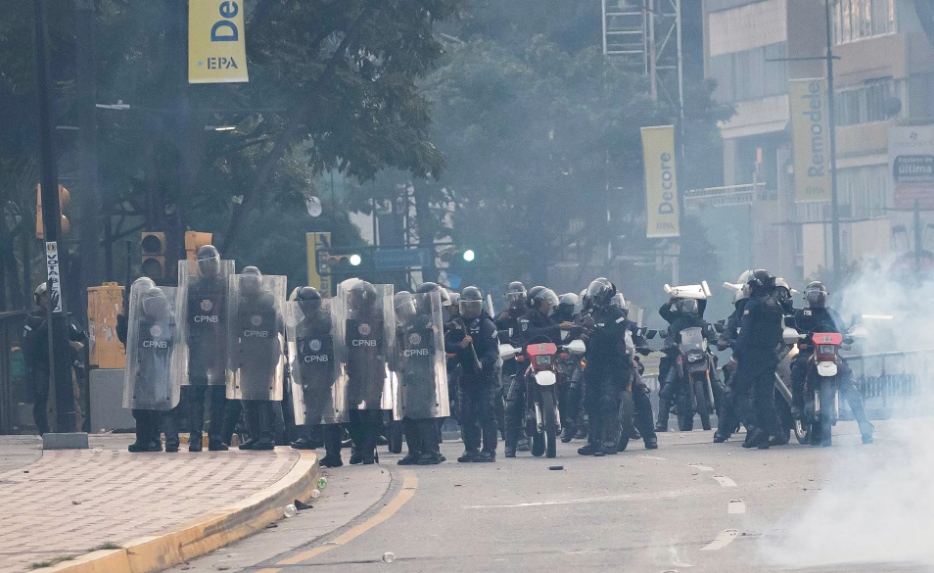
(728, 196)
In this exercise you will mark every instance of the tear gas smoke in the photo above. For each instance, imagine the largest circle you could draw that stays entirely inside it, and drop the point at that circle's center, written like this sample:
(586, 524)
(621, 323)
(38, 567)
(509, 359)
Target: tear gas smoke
(876, 504)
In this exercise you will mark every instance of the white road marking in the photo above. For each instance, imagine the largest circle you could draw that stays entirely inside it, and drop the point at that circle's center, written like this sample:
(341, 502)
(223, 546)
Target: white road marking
(736, 506)
(651, 458)
(724, 481)
(701, 467)
(622, 497)
(723, 539)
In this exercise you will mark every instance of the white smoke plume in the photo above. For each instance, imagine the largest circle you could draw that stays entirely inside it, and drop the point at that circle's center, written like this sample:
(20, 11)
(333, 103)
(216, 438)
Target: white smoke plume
(876, 504)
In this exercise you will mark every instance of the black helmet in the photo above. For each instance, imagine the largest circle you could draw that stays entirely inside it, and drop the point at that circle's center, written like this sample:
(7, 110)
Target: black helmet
(209, 261)
(471, 302)
(250, 279)
(568, 305)
(515, 295)
(429, 287)
(309, 300)
(537, 294)
(618, 300)
(761, 281)
(816, 294)
(44, 288)
(362, 294)
(600, 292)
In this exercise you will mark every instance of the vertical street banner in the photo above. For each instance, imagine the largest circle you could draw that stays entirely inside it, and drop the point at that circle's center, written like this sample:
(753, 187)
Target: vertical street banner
(911, 165)
(810, 134)
(216, 42)
(318, 246)
(661, 182)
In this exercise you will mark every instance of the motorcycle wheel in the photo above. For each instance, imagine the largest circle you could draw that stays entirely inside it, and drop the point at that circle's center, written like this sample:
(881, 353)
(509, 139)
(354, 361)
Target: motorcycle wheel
(685, 412)
(627, 411)
(550, 421)
(827, 395)
(538, 444)
(703, 409)
(395, 437)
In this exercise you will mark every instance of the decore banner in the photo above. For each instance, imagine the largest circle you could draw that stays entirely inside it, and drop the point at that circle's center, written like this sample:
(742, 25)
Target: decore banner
(661, 182)
(810, 134)
(216, 43)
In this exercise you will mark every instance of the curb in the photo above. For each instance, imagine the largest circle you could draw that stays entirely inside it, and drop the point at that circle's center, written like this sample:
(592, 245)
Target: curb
(203, 534)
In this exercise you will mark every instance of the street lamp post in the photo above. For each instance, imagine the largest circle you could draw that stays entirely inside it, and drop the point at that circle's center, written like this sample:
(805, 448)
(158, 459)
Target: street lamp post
(832, 122)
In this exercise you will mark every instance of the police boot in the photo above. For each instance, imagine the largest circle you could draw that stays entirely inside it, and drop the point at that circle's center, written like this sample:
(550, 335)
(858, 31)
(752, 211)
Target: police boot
(780, 438)
(866, 429)
(719, 438)
(471, 456)
(332, 447)
(372, 423)
(752, 435)
(413, 442)
(267, 420)
(431, 451)
(592, 448)
(253, 422)
(216, 444)
(522, 444)
(567, 433)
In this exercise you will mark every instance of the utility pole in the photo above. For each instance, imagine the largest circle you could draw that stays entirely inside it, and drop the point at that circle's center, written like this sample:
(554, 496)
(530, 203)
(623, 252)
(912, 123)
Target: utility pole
(51, 224)
(832, 122)
(87, 153)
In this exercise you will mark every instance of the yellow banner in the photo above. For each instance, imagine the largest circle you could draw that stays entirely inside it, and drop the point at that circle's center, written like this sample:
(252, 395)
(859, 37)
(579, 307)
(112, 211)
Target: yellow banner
(661, 182)
(319, 274)
(216, 42)
(810, 134)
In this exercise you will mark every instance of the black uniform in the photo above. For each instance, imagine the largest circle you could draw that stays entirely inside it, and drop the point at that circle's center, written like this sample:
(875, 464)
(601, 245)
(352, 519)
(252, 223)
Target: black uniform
(756, 349)
(812, 320)
(735, 405)
(315, 346)
(36, 353)
(207, 357)
(476, 387)
(609, 372)
(366, 375)
(507, 323)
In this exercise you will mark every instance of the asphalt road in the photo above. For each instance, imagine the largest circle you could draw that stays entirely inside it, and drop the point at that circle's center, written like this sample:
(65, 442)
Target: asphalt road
(690, 506)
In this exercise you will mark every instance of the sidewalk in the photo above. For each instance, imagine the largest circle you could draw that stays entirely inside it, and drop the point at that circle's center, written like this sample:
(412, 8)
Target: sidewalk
(71, 502)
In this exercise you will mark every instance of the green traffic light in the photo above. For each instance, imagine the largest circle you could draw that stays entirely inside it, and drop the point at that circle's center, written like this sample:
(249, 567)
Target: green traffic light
(355, 260)
(469, 255)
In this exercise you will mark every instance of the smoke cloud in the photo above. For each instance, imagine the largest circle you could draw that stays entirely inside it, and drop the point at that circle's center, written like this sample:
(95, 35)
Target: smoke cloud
(876, 503)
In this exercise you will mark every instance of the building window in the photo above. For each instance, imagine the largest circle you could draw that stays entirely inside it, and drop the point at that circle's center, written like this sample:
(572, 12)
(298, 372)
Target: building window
(858, 19)
(863, 191)
(750, 74)
(866, 103)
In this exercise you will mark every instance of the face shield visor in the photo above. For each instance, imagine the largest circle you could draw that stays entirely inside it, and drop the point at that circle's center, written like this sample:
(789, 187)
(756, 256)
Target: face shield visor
(470, 309)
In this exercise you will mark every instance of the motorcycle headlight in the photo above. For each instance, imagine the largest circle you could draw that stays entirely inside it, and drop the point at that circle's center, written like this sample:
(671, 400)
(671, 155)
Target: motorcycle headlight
(543, 360)
(827, 349)
(695, 357)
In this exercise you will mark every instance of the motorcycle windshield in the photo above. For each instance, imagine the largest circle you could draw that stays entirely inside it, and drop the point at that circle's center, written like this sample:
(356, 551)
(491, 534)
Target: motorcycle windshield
(692, 339)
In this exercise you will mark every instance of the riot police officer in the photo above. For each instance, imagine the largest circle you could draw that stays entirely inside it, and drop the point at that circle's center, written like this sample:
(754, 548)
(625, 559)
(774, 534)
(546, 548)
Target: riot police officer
(368, 339)
(474, 341)
(680, 313)
(152, 376)
(609, 368)
(507, 323)
(257, 354)
(818, 317)
(756, 349)
(317, 403)
(422, 391)
(734, 403)
(207, 347)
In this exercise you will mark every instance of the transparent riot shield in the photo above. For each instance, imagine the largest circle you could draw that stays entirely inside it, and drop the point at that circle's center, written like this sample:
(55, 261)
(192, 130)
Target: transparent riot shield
(256, 337)
(366, 344)
(206, 320)
(156, 355)
(422, 391)
(317, 393)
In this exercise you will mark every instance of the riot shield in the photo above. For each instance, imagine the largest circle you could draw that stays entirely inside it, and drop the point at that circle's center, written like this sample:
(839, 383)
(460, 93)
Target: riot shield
(156, 355)
(422, 391)
(206, 321)
(318, 396)
(366, 344)
(256, 337)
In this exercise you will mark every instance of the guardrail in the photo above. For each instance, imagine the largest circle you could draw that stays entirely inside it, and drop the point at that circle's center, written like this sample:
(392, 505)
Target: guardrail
(892, 383)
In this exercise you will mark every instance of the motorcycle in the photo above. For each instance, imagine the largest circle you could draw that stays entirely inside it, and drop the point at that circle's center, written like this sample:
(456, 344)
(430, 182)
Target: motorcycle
(695, 364)
(821, 384)
(543, 423)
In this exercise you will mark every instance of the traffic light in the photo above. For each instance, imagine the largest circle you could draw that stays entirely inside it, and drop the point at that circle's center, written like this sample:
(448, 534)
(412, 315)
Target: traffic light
(64, 199)
(343, 263)
(469, 255)
(194, 241)
(152, 249)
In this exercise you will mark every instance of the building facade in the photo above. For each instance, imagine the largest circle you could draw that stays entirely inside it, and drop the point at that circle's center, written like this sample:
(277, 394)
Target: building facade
(883, 77)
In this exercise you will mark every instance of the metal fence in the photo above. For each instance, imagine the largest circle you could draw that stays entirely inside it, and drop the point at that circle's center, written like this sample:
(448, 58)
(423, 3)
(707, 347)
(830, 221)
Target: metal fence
(893, 384)
(15, 394)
